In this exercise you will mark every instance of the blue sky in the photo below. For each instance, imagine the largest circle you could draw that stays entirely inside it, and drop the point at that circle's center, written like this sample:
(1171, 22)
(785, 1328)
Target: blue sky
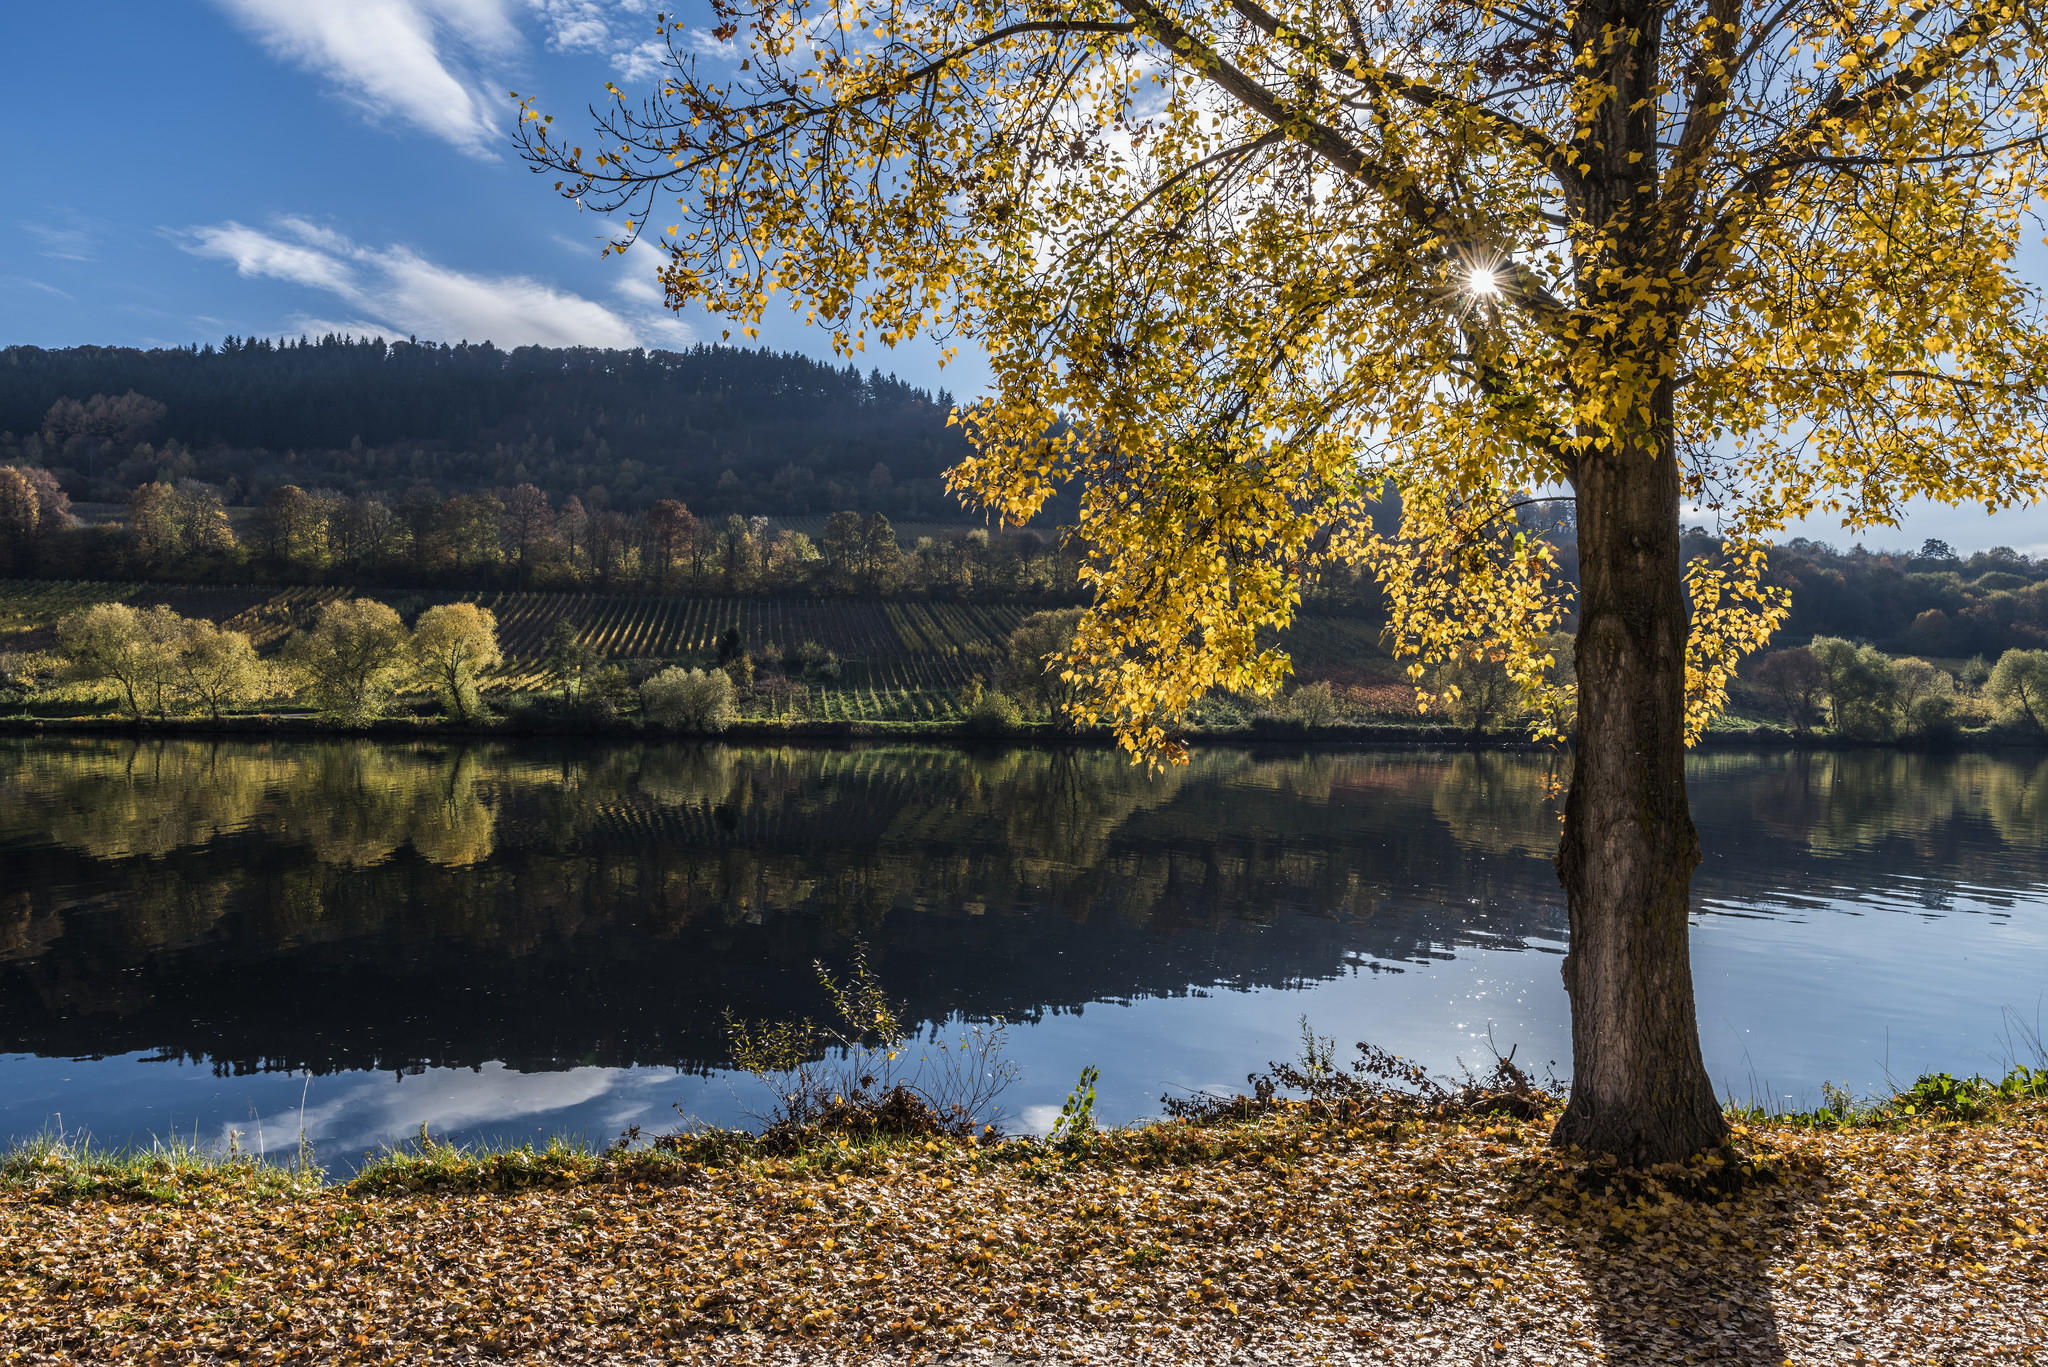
(181, 171)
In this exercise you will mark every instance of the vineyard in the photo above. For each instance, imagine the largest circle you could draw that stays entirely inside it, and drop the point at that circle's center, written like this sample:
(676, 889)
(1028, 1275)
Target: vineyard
(896, 661)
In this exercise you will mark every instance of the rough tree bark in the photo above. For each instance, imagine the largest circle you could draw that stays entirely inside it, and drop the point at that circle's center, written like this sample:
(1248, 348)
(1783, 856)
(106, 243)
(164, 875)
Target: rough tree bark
(1640, 1089)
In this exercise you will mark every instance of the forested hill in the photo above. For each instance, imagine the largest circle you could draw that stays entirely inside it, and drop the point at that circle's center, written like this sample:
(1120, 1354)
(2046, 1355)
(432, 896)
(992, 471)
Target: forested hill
(721, 428)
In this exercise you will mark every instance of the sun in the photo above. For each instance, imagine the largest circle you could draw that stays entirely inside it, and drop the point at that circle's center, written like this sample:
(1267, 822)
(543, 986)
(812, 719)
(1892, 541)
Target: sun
(1482, 281)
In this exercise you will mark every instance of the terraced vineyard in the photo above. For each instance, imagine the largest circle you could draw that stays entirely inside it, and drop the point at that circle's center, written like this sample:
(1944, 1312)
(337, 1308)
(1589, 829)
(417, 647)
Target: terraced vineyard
(894, 656)
(30, 609)
(897, 661)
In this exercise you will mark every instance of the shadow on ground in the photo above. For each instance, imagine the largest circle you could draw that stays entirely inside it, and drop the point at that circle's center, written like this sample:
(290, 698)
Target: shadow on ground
(1683, 1276)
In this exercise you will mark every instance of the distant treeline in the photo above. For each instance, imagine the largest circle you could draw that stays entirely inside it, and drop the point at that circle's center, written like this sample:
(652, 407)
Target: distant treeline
(510, 538)
(724, 429)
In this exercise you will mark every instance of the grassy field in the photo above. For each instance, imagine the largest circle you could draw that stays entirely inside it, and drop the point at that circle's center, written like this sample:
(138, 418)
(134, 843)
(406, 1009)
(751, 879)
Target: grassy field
(897, 661)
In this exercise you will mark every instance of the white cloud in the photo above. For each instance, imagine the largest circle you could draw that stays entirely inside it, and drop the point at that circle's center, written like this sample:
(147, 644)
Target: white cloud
(42, 285)
(370, 1111)
(700, 41)
(408, 294)
(66, 241)
(413, 60)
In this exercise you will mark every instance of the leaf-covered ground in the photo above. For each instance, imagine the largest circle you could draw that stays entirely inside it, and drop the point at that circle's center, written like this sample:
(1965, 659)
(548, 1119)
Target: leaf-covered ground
(1284, 1240)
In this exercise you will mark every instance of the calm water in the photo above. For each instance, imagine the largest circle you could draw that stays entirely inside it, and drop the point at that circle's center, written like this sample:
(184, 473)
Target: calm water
(508, 941)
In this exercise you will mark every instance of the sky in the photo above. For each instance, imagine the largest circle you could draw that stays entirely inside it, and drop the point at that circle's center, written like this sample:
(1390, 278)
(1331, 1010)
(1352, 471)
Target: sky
(181, 171)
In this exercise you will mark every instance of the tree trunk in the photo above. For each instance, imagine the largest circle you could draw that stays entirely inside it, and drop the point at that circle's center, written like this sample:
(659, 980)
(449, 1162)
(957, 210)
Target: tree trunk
(1640, 1090)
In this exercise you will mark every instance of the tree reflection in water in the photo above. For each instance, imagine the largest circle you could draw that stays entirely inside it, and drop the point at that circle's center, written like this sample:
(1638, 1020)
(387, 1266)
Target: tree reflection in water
(352, 904)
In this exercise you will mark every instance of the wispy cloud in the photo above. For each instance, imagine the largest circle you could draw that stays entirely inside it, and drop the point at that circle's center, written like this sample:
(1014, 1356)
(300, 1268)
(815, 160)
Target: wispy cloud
(370, 1111)
(68, 240)
(413, 60)
(395, 291)
(24, 282)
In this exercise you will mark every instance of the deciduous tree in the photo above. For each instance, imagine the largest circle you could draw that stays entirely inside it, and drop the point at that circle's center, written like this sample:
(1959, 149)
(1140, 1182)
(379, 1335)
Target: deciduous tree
(217, 668)
(2019, 683)
(452, 645)
(1237, 267)
(133, 648)
(1796, 680)
(352, 658)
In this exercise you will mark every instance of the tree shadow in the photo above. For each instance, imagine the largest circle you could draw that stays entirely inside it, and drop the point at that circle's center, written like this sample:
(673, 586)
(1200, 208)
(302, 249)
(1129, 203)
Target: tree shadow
(1676, 1262)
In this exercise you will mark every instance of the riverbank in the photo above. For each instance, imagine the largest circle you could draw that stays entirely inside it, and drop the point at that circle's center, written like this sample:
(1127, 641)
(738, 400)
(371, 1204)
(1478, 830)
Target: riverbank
(299, 726)
(1389, 1237)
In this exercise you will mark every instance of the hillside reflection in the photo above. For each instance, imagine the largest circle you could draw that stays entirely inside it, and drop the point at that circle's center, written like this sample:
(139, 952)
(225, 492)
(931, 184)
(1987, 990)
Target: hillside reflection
(362, 905)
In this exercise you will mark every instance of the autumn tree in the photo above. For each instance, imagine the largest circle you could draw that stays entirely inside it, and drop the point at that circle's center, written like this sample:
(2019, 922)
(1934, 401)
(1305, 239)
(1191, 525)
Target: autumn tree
(135, 649)
(568, 658)
(1033, 667)
(670, 528)
(1796, 680)
(452, 645)
(2019, 684)
(217, 668)
(21, 513)
(352, 658)
(1238, 268)
(525, 523)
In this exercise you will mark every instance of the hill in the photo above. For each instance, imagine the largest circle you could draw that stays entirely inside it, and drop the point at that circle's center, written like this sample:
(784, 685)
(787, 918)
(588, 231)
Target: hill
(726, 430)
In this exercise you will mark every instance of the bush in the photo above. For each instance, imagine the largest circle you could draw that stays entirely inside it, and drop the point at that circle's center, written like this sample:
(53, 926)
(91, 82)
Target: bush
(689, 700)
(1311, 706)
(1933, 717)
(857, 1077)
(991, 712)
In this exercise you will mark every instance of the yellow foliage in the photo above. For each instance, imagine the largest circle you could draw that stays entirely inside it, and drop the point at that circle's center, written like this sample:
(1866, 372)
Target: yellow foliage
(1237, 270)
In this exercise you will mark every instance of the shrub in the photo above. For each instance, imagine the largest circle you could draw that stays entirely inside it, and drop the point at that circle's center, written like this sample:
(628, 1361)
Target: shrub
(855, 1077)
(1311, 705)
(1933, 717)
(689, 700)
(990, 711)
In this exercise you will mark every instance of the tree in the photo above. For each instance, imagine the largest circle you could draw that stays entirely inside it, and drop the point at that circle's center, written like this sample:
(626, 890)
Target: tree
(525, 522)
(843, 543)
(877, 551)
(695, 700)
(285, 527)
(1033, 669)
(567, 658)
(352, 659)
(1236, 270)
(2019, 684)
(133, 648)
(452, 645)
(21, 512)
(153, 525)
(1859, 685)
(1796, 680)
(1477, 690)
(670, 528)
(217, 668)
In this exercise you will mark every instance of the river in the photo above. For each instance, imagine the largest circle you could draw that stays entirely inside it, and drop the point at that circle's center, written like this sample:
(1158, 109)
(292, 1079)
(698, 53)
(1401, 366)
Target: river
(510, 941)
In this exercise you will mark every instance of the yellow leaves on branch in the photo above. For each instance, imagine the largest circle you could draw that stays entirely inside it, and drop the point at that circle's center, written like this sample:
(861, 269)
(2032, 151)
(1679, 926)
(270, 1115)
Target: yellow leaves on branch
(1733, 614)
(1234, 268)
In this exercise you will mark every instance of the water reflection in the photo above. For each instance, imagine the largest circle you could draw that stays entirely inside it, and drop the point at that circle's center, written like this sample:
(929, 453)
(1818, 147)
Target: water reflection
(358, 906)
